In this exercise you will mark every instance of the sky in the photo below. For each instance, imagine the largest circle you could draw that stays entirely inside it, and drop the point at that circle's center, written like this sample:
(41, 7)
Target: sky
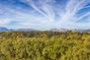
(45, 14)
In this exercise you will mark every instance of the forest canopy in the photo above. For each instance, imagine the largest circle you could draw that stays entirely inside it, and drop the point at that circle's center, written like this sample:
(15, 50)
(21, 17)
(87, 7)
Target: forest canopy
(44, 45)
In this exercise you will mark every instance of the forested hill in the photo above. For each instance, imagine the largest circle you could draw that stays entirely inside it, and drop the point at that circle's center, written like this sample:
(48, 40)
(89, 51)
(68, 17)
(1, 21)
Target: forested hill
(44, 45)
(46, 34)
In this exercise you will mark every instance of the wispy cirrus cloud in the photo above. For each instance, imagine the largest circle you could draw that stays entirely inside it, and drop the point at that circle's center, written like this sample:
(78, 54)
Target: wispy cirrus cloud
(46, 14)
(23, 19)
(45, 7)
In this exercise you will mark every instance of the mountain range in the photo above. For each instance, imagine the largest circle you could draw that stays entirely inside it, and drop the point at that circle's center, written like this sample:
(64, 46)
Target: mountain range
(3, 29)
(20, 29)
(53, 30)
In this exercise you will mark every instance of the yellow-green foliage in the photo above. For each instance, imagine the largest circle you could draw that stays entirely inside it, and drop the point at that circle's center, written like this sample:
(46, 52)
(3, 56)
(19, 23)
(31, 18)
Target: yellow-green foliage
(44, 46)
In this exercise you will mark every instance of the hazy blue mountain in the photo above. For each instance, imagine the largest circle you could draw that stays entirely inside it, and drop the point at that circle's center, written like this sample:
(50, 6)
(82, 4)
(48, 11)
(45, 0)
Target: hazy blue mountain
(25, 29)
(3, 29)
(53, 30)
(59, 30)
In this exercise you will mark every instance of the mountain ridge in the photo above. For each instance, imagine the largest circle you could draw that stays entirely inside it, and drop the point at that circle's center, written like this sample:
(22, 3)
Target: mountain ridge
(53, 30)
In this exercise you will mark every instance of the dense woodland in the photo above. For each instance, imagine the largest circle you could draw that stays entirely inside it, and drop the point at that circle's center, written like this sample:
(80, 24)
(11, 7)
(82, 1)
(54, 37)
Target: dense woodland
(44, 45)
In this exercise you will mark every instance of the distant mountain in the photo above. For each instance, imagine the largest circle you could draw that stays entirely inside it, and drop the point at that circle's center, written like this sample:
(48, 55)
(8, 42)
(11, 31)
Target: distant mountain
(25, 29)
(20, 29)
(53, 30)
(3, 29)
(59, 30)
(64, 30)
(83, 30)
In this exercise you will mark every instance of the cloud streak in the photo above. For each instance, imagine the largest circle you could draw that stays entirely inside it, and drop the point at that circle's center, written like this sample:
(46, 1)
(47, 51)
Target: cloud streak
(43, 6)
(46, 14)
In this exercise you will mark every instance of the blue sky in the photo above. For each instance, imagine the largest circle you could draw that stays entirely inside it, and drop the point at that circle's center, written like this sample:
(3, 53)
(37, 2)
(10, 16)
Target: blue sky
(45, 14)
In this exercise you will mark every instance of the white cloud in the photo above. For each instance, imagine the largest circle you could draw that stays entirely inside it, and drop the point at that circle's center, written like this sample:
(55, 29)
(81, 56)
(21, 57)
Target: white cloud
(50, 10)
(4, 21)
(43, 5)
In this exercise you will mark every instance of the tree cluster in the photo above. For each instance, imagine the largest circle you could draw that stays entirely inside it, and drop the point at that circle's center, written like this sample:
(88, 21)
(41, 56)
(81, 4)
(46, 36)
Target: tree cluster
(37, 45)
